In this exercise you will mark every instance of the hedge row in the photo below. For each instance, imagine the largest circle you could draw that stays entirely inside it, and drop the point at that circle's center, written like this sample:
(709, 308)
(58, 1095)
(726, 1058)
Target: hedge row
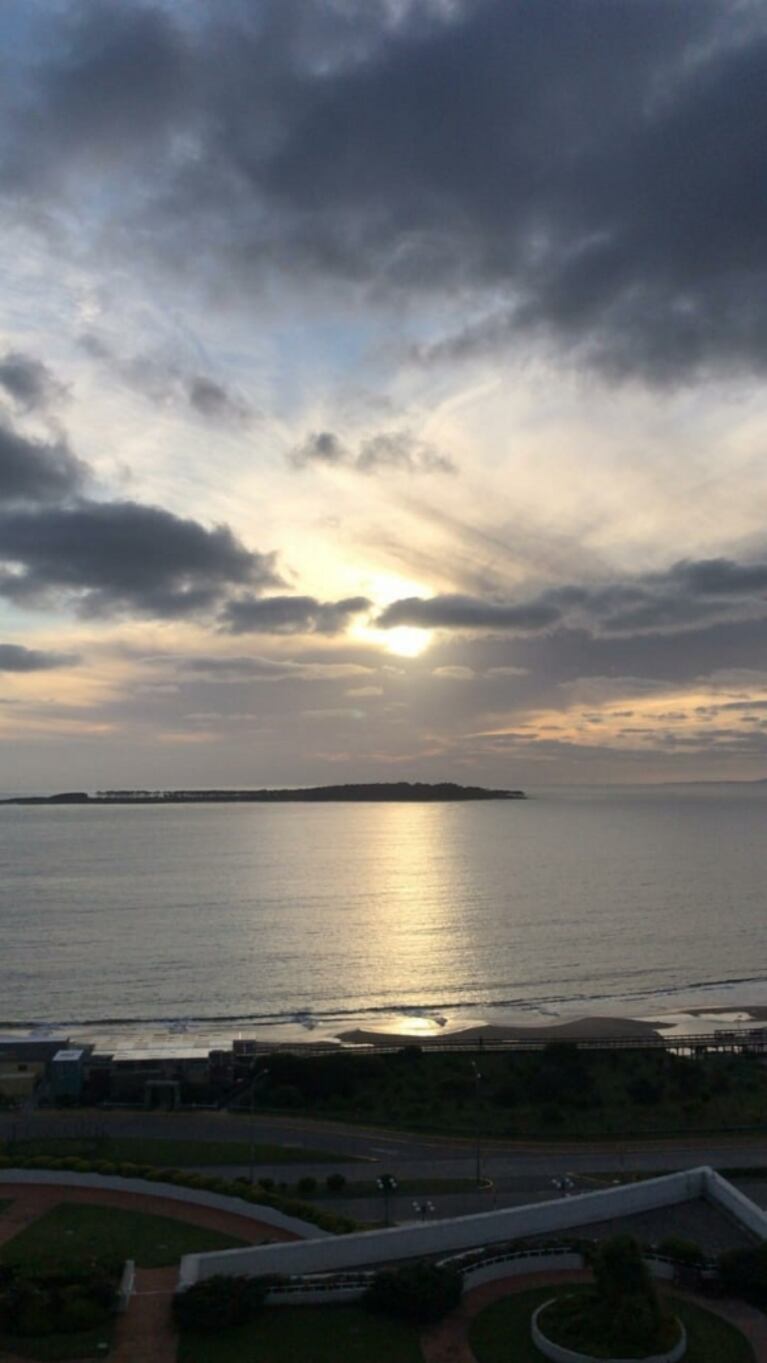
(337, 1225)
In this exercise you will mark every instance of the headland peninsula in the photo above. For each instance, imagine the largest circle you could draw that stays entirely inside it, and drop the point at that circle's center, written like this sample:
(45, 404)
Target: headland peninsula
(392, 791)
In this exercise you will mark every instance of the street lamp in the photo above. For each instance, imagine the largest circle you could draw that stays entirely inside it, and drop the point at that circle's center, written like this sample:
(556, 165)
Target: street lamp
(423, 1209)
(563, 1185)
(388, 1185)
(254, 1081)
(477, 1127)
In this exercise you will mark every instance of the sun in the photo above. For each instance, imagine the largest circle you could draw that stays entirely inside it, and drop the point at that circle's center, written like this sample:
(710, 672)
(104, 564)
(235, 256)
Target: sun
(406, 641)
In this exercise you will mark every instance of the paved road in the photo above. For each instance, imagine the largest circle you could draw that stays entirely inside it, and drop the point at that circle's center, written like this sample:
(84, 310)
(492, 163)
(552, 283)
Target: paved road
(406, 1155)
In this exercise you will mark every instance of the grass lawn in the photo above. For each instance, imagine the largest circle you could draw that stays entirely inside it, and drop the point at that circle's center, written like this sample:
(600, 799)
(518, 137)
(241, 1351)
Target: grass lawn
(507, 1322)
(70, 1233)
(49, 1348)
(176, 1154)
(311, 1334)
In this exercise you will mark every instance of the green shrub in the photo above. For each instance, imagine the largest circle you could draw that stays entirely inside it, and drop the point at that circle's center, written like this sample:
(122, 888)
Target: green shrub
(683, 1251)
(78, 1311)
(307, 1185)
(335, 1183)
(220, 1303)
(419, 1293)
(744, 1274)
(31, 1312)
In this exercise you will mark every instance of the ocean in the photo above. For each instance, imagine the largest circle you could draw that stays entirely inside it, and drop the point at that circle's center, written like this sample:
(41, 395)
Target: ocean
(286, 920)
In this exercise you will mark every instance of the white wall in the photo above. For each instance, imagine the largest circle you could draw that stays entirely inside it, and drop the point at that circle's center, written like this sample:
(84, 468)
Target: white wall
(149, 1188)
(732, 1201)
(369, 1248)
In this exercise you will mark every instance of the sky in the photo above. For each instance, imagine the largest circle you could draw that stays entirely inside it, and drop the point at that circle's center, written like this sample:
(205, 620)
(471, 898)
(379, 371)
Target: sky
(382, 392)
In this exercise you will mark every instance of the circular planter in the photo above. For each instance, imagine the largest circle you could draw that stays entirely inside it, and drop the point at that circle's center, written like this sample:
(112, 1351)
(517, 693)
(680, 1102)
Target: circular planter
(558, 1354)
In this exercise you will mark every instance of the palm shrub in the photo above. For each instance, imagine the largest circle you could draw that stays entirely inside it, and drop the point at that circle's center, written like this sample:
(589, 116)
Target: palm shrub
(622, 1316)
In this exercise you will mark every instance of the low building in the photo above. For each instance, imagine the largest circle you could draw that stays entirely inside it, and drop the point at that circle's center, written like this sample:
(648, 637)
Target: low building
(19, 1079)
(68, 1074)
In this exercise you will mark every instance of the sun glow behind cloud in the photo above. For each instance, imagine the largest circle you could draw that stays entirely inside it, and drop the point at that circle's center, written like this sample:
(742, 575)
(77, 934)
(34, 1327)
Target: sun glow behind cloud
(404, 641)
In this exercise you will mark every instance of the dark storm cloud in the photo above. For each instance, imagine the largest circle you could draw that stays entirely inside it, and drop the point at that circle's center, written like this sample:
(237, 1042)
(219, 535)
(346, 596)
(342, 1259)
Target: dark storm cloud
(14, 658)
(397, 450)
(290, 614)
(29, 382)
(590, 172)
(121, 556)
(35, 471)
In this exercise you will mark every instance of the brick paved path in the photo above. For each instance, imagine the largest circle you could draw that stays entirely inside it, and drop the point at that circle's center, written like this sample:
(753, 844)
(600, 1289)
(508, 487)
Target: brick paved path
(145, 1334)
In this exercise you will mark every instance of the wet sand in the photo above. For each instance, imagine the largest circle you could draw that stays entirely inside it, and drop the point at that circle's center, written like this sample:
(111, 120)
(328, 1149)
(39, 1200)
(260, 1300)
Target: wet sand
(576, 1029)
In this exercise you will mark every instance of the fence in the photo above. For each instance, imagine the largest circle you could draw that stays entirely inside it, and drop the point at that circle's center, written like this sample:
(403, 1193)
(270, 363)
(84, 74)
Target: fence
(316, 1289)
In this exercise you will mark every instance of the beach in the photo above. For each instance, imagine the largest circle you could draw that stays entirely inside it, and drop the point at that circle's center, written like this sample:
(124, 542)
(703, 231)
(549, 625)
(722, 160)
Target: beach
(197, 1039)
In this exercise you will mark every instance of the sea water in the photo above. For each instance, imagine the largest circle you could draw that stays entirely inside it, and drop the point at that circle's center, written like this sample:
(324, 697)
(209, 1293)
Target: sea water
(335, 915)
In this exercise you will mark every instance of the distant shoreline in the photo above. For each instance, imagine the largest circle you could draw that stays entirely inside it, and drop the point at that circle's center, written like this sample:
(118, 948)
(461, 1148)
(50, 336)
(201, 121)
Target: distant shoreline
(401, 792)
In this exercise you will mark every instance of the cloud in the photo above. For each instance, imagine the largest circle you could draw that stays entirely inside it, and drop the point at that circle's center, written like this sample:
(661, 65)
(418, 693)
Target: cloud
(378, 453)
(588, 173)
(214, 400)
(104, 557)
(30, 383)
(321, 447)
(36, 471)
(290, 614)
(466, 612)
(15, 658)
(454, 672)
(269, 669)
(687, 596)
(163, 379)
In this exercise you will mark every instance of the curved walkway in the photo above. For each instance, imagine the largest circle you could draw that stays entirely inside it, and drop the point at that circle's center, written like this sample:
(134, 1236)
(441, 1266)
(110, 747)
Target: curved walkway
(145, 1332)
(448, 1342)
(30, 1200)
